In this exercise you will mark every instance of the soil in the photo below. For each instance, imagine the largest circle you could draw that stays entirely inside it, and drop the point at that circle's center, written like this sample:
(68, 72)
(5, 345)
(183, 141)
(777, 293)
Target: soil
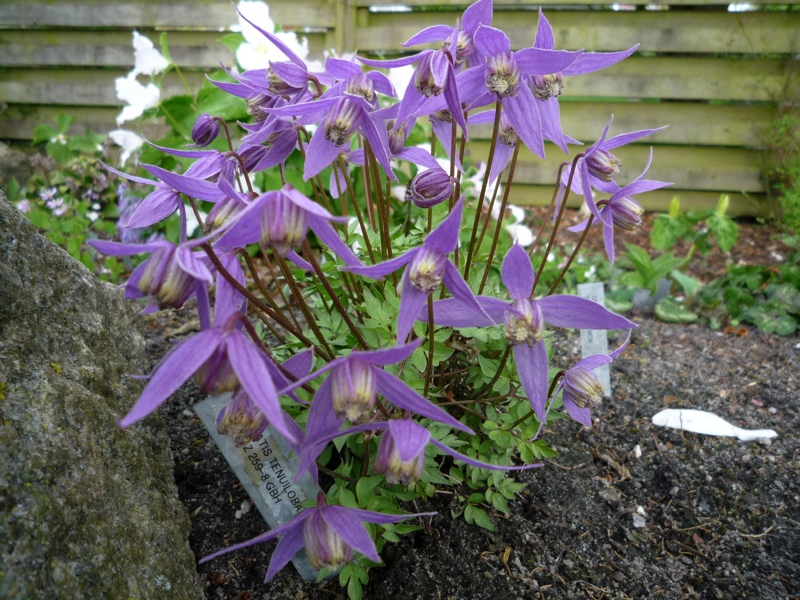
(626, 510)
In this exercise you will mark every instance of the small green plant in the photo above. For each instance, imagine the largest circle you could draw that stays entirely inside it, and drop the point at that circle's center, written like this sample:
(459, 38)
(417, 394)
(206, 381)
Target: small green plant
(700, 227)
(783, 172)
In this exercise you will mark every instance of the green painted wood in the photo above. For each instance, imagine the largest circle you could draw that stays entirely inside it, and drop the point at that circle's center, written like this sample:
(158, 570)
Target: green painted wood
(75, 48)
(167, 15)
(19, 121)
(687, 167)
(695, 123)
(668, 31)
(750, 205)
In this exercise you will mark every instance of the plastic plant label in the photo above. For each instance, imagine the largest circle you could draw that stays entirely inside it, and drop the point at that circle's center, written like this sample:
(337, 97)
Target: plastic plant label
(700, 421)
(595, 341)
(267, 472)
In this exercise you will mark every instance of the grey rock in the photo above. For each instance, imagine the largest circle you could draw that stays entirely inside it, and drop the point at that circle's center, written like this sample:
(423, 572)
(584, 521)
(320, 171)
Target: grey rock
(13, 165)
(87, 510)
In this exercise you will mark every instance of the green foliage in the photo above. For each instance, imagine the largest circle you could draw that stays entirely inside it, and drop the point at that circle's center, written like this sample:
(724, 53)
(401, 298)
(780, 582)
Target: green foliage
(783, 169)
(696, 227)
(648, 271)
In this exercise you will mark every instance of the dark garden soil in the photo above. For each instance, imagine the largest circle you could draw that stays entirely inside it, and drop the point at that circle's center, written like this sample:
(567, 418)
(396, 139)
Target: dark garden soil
(626, 510)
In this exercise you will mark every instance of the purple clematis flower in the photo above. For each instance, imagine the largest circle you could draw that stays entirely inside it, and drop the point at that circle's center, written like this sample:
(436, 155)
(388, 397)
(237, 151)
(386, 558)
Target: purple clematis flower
(503, 78)
(223, 359)
(582, 390)
(329, 533)
(163, 201)
(621, 209)
(524, 321)
(280, 220)
(350, 393)
(428, 267)
(168, 278)
(401, 451)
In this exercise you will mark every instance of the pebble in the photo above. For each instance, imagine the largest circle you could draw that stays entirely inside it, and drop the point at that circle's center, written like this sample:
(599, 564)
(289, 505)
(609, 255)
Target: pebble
(187, 413)
(637, 451)
(638, 521)
(618, 576)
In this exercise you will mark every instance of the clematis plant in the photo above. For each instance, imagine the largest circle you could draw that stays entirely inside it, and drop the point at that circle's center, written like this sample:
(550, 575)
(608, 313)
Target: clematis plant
(366, 372)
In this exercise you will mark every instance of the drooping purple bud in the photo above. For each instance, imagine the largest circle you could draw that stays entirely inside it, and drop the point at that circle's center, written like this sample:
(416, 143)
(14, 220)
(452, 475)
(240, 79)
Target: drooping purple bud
(547, 86)
(430, 188)
(361, 85)
(603, 165)
(626, 213)
(502, 75)
(223, 212)
(164, 280)
(284, 225)
(205, 130)
(390, 463)
(278, 85)
(353, 386)
(342, 121)
(431, 74)
(251, 156)
(397, 137)
(524, 323)
(258, 105)
(426, 270)
(582, 388)
(241, 420)
(324, 547)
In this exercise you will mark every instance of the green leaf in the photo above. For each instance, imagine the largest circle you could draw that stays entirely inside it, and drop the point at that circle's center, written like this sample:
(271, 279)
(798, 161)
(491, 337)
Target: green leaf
(674, 207)
(232, 41)
(64, 122)
(478, 516)
(666, 231)
(689, 284)
(165, 47)
(365, 488)
(771, 318)
(725, 231)
(13, 190)
(670, 311)
(43, 133)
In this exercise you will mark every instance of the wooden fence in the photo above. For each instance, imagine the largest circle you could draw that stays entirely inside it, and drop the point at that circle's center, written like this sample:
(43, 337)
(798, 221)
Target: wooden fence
(715, 77)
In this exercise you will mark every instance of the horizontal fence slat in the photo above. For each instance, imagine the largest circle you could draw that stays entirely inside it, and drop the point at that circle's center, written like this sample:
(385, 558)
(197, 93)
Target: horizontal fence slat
(688, 123)
(668, 31)
(666, 78)
(18, 122)
(750, 205)
(216, 15)
(189, 49)
(711, 168)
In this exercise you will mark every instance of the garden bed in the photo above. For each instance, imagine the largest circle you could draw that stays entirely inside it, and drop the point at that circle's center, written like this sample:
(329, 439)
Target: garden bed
(626, 509)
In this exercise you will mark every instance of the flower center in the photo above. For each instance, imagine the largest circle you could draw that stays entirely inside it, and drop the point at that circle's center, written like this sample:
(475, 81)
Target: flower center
(524, 323)
(427, 270)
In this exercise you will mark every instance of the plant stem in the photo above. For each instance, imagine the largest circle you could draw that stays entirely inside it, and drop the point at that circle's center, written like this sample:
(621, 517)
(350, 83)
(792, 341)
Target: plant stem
(351, 191)
(571, 256)
(479, 207)
(429, 369)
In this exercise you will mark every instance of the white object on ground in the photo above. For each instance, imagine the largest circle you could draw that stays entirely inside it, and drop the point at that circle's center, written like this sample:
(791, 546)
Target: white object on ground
(700, 421)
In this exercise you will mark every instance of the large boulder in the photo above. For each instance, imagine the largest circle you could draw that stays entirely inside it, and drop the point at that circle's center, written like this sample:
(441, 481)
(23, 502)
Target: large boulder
(87, 510)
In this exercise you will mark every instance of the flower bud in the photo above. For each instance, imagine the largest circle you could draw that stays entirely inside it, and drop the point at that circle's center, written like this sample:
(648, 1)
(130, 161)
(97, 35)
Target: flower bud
(426, 270)
(524, 323)
(397, 136)
(465, 47)
(251, 156)
(342, 121)
(582, 388)
(430, 188)
(603, 165)
(284, 225)
(390, 463)
(502, 75)
(223, 212)
(164, 280)
(257, 106)
(547, 86)
(205, 130)
(431, 74)
(353, 388)
(324, 547)
(626, 213)
(278, 85)
(241, 420)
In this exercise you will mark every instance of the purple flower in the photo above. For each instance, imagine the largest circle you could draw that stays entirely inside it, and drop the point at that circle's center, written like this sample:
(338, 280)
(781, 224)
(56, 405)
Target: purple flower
(620, 209)
(430, 188)
(24, 206)
(58, 206)
(329, 533)
(280, 220)
(48, 195)
(222, 359)
(205, 130)
(163, 201)
(401, 450)
(350, 393)
(428, 267)
(169, 276)
(524, 321)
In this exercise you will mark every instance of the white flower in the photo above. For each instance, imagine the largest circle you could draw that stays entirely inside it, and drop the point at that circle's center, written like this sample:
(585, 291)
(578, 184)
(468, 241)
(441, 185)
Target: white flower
(129, 141)
(147, 60)
(400, 78)
(138, 97)
(258, 50)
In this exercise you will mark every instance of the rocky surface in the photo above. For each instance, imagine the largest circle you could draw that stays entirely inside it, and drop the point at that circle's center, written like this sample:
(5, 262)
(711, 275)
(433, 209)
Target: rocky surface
(87, 510)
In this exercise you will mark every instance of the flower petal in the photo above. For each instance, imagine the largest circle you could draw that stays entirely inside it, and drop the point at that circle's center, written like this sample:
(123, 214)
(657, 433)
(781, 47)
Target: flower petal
(171, 373)
(532, 369)
(581, 415)
(402, 396)
(563, 310)
(409, 438)
(411, 301)
(452, 312)
(517, 273)
(351, 530)
(445, 237)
